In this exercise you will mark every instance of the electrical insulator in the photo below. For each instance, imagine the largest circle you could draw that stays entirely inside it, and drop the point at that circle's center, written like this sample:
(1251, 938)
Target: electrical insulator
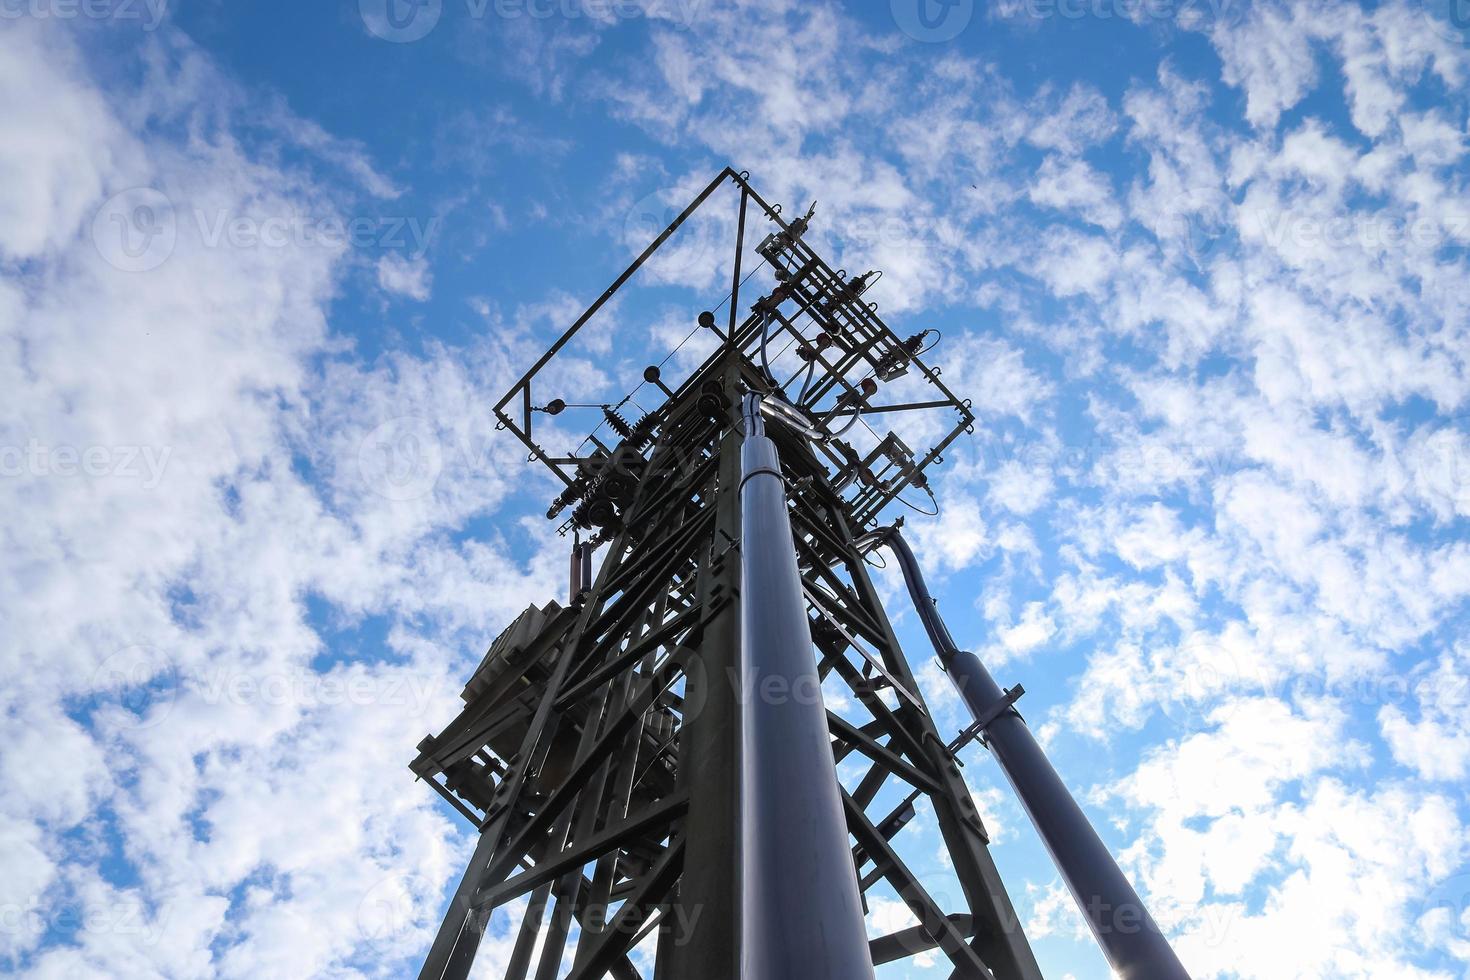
(642, 432)
(779, 295)
(800, 225)
(859, 284)
(809, 350)
(574, 490)
(866, 389)
(616, 422)
(895, 363)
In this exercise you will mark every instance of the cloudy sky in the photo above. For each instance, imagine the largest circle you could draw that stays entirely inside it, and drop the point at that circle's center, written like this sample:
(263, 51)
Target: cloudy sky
(264, 267)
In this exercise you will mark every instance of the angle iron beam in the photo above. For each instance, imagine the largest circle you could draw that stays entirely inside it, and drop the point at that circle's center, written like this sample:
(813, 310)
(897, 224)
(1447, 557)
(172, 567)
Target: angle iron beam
(912, 891)
(913, 941)
(578, 854)
(615, 940)
(902, 737)
(564, 794)
(877, 752)
(672, 633)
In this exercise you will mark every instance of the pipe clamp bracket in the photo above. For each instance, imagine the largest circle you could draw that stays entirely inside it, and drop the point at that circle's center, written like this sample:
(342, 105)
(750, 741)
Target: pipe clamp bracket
(1011, 696)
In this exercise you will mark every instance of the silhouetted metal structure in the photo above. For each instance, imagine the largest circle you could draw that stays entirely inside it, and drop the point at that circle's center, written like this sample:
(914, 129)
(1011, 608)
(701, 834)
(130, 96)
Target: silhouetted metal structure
(704, 760)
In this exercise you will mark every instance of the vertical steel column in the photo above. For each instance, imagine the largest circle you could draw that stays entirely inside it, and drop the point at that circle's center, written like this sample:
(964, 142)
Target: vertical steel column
(709, 889)
(802, 915)
(1128, 935)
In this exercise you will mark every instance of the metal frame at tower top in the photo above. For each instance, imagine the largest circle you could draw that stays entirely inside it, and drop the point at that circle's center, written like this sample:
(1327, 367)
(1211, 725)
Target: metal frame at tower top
(705, 762)
(814, 310)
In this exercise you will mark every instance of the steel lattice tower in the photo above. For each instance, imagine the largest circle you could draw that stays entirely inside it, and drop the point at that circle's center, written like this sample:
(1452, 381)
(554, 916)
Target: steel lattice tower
(655, 762)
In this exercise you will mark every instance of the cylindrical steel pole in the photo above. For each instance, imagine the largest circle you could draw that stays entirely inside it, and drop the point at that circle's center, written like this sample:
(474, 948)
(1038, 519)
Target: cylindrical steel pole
(802, 918)
(1128, 935)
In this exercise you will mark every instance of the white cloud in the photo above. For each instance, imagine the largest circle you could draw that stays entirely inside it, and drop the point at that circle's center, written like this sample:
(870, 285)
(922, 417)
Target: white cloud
(1271, 58)
(189, 752)
(402, 276)
(59, 138)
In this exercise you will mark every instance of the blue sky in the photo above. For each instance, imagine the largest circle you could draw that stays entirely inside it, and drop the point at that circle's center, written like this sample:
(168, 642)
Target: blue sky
(264, 268)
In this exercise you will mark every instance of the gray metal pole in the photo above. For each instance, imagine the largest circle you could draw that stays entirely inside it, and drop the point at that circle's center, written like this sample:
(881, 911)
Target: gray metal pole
(1128, 935)
(802, 918)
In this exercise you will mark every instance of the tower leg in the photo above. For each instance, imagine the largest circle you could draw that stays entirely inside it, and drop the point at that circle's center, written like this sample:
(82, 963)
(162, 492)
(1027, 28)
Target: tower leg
(802, 915)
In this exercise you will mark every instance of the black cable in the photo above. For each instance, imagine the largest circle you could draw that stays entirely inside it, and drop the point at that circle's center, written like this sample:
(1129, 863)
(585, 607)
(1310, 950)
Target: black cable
(926, 513)
(924, 603)
(751, 414)
(766, 339)
(937, 338)
(811, 372)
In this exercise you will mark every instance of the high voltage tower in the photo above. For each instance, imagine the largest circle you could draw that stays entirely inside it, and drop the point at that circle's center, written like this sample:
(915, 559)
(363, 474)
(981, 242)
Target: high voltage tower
(712, 750)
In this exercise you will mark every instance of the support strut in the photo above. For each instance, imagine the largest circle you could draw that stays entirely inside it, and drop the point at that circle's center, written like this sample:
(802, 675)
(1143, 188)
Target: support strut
(1128, 935)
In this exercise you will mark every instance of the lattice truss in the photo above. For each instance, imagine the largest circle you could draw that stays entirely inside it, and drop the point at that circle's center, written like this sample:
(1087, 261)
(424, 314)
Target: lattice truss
(597, 751)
